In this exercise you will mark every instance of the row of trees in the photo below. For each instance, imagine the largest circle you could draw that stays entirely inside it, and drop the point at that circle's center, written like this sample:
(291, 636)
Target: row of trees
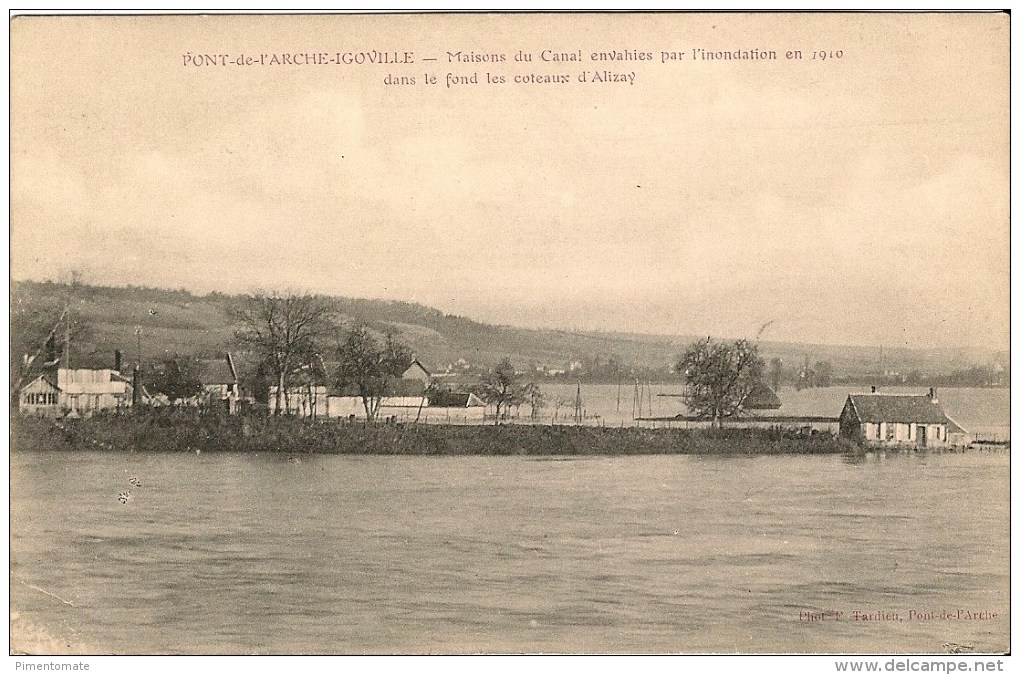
(807, 377)
(289, 333)
(720, 377)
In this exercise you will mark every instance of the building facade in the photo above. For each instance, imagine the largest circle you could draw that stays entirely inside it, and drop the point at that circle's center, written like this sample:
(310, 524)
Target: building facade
(899, 419)
(76, 392)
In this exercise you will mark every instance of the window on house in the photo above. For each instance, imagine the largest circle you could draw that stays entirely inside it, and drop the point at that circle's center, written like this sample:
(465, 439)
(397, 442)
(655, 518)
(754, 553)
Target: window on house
(909, 431)
(890, 431)
(938, 433)
(878, 430)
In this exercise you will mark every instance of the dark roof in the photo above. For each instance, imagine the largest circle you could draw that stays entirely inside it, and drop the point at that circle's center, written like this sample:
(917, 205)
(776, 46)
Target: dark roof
(217, 371)
(450, 399)
(953, 428)
(762, 398)
(45, 378)
(899, 408)
(416, 362)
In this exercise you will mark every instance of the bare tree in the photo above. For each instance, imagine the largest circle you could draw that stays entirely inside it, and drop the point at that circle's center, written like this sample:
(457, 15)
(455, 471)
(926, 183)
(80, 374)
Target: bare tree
(285, 331)
(370, 366)
(720, 377)
(503, 388)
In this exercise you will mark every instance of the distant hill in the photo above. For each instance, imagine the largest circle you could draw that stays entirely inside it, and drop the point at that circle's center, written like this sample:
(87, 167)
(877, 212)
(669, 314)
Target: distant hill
(179, 321)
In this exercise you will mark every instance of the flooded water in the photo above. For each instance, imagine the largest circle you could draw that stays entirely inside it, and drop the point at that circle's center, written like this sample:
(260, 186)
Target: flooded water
(247, 554)
(983, 412)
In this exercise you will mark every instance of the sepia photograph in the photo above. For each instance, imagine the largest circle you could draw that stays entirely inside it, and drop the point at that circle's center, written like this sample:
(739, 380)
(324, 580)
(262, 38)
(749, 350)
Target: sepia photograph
(498, 333)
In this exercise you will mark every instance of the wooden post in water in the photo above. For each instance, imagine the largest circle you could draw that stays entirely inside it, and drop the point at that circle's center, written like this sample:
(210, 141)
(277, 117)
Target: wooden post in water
(577, 405)
(633, 403)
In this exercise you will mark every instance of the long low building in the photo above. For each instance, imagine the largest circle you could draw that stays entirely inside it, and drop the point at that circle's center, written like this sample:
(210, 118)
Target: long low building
(322, 402)
(900, 419)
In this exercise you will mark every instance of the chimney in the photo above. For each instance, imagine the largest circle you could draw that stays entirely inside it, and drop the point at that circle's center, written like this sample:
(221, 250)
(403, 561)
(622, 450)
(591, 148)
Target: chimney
(116, 360)
(874, 389)
(933, 395)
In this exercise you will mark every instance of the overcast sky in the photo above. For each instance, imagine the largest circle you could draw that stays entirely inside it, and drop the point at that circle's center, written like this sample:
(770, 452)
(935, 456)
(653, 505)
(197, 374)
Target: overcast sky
(860, 200)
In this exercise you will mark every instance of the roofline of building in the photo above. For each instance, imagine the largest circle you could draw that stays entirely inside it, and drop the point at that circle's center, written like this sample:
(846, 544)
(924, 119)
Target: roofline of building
(850, 400)
(882, 393)
(958, 425)
(230, 364)
(41, 376)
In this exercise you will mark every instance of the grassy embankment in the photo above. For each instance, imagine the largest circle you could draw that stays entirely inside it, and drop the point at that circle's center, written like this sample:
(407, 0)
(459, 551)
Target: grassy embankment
(189, 431)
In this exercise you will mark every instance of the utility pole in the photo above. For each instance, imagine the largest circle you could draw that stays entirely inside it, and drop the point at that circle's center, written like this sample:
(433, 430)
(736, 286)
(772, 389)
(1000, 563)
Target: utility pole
(136, 376)
(633, 403)
(577, 405)
(67, 338)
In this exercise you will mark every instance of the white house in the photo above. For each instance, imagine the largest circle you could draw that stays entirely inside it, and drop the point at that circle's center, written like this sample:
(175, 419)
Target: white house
(41, 396)
(305, 400)
(76, 392)
(900, 419)
(404, 399)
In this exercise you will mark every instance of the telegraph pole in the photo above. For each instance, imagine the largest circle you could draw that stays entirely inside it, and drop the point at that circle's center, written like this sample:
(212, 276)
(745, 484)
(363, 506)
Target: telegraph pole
(67, 338)
(136, 376)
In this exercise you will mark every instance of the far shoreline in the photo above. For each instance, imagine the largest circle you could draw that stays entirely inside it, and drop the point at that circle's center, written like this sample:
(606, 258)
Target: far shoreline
(190, 431)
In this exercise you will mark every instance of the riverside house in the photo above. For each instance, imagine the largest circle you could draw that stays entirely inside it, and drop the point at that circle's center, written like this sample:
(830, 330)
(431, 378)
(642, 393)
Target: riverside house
(900, 419)
(220, 383)
(75, 392)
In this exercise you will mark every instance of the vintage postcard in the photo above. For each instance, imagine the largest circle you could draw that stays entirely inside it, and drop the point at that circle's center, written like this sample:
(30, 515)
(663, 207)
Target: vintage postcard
(510, 333)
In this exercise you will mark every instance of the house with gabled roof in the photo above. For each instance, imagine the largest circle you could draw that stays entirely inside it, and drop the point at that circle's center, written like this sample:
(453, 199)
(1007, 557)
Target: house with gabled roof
(41, 396)
(416, 371)
(900, 419)
(75, 392)
(220, 381)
